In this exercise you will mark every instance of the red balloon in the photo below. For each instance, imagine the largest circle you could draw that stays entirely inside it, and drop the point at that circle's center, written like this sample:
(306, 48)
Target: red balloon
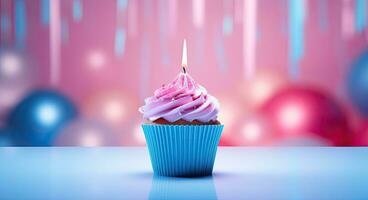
(361, 133)
(300, 111)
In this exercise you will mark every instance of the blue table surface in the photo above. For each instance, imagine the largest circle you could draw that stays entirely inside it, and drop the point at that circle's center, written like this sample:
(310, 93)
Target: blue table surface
(239, 173)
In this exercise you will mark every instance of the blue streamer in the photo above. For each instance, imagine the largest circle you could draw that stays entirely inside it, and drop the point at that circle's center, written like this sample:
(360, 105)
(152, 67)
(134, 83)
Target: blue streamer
(227, 26)
(5, 24)
(360, 15)
(220, 52)
(120, 37)
(20, 23)
(45, 12)
(77, 10)
(122, 4)
(296, 36)
(323, 14)
(64, 31)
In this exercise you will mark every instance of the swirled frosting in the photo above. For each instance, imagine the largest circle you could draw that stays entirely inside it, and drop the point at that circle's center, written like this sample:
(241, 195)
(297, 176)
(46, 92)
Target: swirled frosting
(182, 99)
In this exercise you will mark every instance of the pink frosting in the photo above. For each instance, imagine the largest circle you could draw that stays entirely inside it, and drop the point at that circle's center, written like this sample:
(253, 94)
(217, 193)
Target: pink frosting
(181, 99)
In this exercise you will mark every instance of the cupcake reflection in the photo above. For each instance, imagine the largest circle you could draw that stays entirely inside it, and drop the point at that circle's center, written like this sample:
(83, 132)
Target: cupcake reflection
(182, 188)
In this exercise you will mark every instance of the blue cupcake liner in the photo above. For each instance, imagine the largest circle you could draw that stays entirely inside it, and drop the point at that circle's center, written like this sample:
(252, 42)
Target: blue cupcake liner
(182, 150)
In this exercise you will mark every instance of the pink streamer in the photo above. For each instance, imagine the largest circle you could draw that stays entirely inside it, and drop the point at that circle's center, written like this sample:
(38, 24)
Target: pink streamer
(347, 26)
(198, 12)
(55, 41)
(238, 11)
(249, 37)
(132, 18)
(173, 10)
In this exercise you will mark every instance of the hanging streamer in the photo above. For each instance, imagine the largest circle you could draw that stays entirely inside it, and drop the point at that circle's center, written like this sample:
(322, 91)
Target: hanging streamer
(360, 15)
(77, 10)
(198, 12)
(227, 24)
(45, 12)
(122, 4)
(249, 37)
(163, 21)
(347, 26)
(220, 51)
(145, 58)
(120, 34)
(55, 37)
(238, 11)
(296, 36)
(20, 23)
(120, 38)
(173, 10)
(323, 14)
(5, 25)
(132, 18)
(199, 47)
(5, 22)
(284, 22)
(64, 31)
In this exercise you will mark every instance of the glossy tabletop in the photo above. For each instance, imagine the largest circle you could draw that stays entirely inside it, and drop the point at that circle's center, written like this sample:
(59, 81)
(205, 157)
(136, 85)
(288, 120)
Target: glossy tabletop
(239, 173)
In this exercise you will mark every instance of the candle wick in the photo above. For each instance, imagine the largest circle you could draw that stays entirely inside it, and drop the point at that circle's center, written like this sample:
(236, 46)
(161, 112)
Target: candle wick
(184, 70)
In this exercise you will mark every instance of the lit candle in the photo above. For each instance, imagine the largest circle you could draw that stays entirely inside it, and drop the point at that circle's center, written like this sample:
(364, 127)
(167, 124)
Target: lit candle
(184, 62)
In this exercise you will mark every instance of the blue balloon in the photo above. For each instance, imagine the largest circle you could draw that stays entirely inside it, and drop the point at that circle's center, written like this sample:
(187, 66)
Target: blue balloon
(358, 83)
(5, 137)
(38, 118)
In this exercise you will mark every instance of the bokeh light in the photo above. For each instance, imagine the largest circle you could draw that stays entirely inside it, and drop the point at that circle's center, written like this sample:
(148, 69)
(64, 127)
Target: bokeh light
(293, 116)
(10, 64)
(96, 59)
(110, 106)
(252, 131)
(87, 133)
(230, 111)
(138, 135)
(263, 85)
(114, 110)
(48, 113)
(17, 76)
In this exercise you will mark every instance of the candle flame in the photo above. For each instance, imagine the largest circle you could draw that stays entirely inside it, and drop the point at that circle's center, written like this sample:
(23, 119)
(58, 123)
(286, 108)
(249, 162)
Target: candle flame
(184, 61)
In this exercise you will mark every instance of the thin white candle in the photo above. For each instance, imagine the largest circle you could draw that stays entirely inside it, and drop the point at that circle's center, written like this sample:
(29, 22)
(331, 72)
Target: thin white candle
(184, 59)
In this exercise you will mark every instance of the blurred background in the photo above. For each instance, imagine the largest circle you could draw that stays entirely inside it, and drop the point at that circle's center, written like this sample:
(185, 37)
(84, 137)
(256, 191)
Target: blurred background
(286, 72)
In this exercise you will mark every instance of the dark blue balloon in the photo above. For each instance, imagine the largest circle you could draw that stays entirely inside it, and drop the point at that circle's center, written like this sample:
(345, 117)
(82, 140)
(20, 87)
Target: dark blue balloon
(38, 118)
(5, 137)
(358, 83)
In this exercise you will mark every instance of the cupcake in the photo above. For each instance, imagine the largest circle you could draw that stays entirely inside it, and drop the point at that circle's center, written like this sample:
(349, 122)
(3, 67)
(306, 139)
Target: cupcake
(181, 129)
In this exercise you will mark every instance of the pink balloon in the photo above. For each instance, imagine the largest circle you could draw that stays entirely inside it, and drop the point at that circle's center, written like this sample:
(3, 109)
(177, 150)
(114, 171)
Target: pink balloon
(301, 111)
